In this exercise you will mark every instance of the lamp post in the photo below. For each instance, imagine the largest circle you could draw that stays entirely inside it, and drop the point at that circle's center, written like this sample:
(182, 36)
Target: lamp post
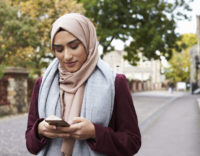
(195, 60)
(198, 34)
(197, 57)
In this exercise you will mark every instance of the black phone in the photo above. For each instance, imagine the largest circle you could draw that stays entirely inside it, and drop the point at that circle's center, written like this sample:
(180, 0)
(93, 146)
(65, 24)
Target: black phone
(57, 122)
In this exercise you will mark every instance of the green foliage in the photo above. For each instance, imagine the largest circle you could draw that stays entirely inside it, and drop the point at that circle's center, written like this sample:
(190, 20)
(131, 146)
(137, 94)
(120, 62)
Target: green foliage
(25, 27)
(179, 69)
(15, 32)
(150, 23)
(2, 68)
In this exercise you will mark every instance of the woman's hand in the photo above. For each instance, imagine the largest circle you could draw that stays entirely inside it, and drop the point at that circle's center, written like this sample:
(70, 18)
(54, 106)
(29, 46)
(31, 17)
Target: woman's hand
(80, 128)
(50, 131)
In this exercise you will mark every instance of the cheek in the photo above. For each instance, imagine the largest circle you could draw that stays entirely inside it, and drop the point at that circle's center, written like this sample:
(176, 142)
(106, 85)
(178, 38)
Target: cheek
(83, 58)
(58, 56)
(83, 54)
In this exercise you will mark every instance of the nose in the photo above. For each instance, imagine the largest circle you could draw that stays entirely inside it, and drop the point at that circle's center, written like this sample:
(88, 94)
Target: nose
(67, 54)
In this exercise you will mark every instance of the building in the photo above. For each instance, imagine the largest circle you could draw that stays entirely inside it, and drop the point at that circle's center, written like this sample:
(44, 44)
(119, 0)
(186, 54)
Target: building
(145, 71)
(195, 62)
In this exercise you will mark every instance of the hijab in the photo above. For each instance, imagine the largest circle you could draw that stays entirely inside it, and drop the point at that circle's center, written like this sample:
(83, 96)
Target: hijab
(72, 85)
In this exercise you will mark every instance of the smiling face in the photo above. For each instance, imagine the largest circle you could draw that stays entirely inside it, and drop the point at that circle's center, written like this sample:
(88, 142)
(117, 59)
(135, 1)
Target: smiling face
(69, 50)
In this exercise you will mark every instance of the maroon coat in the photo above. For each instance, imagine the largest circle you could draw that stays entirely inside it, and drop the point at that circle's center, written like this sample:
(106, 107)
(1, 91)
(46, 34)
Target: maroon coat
(122, 136)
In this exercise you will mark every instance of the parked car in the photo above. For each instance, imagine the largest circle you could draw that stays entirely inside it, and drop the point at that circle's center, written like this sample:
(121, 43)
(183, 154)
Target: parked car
(181, 86)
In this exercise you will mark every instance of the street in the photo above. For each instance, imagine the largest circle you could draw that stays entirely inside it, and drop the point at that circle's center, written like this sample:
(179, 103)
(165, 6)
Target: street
(175, 132)
(169, 123)
(12, 134)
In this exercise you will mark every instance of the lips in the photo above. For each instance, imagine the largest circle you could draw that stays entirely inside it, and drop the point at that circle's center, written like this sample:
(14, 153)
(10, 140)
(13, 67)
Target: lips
(71, 64)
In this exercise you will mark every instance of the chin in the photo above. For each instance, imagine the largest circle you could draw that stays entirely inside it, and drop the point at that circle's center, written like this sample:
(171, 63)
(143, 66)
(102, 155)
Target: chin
(72, 70)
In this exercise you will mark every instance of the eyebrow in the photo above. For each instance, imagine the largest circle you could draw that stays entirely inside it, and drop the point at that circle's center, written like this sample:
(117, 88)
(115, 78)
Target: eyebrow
(68, 43)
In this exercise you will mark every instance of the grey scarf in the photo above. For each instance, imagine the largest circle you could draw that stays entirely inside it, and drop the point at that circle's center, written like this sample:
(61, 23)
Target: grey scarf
(97, 106)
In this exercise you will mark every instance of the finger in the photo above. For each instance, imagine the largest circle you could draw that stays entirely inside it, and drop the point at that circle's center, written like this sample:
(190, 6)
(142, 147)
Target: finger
(56, 135)
(76, 126)
(53, 117)
(77, 120)
(79, 137)
(75, 136)
(70, 129)
(48, 126)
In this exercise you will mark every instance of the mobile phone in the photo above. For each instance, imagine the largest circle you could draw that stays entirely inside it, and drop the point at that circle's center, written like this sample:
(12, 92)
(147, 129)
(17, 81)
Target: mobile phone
(57, 122)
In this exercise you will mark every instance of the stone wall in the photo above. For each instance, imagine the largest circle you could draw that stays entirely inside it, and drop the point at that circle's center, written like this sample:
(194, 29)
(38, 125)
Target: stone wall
(3, 92)
(16, 91)
(137, 86)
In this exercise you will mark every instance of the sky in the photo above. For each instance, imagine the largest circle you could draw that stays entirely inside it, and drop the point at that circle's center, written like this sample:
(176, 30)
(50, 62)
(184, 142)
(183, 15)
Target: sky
(189, 26)
(186, 26)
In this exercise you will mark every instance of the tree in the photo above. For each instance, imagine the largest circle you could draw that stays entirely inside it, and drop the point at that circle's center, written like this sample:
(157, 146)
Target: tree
(12, 31)
(150, 23)
(39, 16)
(16, 34)
(179, 69)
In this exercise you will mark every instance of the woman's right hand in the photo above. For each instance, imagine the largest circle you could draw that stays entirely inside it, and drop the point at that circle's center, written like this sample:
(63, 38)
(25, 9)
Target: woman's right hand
(50, 131)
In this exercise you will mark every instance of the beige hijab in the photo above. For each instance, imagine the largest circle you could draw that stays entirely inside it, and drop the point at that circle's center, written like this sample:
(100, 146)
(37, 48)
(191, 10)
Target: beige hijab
(72, 84)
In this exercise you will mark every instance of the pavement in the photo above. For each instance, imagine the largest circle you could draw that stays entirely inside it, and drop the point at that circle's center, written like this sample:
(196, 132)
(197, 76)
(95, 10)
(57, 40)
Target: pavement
(12, 134)
(175, 132)
(150, 104)
(160, 93)
(198, 102)
(149, 108)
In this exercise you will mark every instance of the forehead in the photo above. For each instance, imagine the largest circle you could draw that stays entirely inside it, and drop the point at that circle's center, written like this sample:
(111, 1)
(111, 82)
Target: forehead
(63, 37)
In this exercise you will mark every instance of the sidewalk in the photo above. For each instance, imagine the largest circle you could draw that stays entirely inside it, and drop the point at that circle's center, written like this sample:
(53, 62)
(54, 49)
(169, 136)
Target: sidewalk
(198, 103)
(162, 93)
(150, 104)
(175, 132)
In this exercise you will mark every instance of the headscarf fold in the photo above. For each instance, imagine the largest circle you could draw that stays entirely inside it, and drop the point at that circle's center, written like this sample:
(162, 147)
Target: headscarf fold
(72, 84)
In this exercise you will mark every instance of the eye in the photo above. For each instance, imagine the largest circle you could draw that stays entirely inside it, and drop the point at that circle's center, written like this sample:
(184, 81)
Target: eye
(58, 48)
(74, 45)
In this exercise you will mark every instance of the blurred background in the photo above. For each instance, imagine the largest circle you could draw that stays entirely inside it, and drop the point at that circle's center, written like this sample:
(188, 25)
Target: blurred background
(155, 43)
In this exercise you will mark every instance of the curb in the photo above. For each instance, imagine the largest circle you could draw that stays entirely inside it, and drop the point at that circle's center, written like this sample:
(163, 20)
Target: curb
(198, 102)
(8, 117)
(149, 121)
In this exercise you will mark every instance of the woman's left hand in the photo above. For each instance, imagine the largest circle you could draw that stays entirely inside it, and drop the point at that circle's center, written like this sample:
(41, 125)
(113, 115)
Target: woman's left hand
(80, 128)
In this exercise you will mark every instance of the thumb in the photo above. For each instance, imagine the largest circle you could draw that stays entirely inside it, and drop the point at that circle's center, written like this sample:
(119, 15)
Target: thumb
(77, 120)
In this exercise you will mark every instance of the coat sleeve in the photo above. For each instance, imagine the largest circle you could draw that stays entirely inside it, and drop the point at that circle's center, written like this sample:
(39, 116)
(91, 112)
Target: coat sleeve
(33, 143)
(122, 136)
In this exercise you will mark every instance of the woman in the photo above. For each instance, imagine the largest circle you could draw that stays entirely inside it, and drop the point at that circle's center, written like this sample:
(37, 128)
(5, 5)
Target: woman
(81, 89)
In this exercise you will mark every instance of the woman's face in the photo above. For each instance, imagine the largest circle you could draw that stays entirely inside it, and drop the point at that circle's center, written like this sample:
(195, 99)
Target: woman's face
(69, 51)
